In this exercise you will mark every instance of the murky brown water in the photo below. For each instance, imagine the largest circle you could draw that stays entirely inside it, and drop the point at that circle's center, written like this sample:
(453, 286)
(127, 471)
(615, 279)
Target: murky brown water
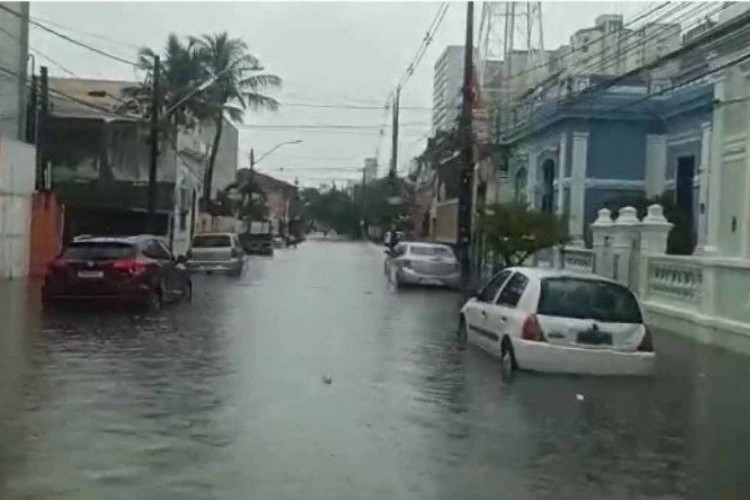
(224, 398)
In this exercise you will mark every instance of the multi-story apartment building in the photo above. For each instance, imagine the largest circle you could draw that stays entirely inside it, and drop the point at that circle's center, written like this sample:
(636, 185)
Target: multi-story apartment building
(609, 48)
(446, 94)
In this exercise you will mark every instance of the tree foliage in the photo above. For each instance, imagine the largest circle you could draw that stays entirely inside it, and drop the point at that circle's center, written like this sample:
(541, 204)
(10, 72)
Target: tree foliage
(206, 78)
(514, 232)
(238, 85)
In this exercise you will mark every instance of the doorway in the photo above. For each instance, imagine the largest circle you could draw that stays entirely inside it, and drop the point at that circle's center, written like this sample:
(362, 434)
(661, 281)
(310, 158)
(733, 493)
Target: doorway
(685, 197)
(548, 186)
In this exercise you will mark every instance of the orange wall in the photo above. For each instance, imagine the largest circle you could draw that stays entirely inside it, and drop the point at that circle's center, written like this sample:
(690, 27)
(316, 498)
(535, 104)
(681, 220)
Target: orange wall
(46, 231)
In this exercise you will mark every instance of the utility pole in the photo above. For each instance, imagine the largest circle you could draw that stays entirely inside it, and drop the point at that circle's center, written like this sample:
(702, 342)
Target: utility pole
(252, 159)
(467, 172)
(154, 155)
(394, 138)
(41, 160)
(364, 204)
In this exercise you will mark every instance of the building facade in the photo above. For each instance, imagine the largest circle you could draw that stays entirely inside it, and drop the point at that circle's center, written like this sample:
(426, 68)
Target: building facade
(17, 158)
(226, 164)
(14, 61)
(447, 84)
(98, 163)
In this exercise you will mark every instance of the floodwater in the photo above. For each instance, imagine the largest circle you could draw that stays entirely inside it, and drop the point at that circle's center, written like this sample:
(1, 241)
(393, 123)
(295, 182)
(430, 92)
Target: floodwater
(226, 398)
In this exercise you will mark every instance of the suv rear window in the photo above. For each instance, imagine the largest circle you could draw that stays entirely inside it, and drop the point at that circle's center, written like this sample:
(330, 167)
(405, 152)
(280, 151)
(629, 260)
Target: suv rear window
(588, 299)
(99, 251)
(218, 241)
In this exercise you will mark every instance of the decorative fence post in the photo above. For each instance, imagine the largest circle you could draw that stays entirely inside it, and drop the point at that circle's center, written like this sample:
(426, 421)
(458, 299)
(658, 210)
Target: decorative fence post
(625, 246)
(654, 231)
(601, 232)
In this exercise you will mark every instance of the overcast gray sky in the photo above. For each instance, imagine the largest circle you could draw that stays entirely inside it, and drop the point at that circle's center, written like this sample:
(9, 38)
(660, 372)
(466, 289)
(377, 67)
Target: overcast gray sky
(327, 53)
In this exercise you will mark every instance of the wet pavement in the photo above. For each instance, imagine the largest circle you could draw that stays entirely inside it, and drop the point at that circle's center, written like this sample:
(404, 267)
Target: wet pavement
(226, 398)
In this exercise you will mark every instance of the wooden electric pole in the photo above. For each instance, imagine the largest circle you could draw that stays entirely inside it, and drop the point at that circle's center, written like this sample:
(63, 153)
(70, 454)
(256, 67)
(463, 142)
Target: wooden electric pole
(42, 175)
(394, 138)
(151, 225)
(467, 170)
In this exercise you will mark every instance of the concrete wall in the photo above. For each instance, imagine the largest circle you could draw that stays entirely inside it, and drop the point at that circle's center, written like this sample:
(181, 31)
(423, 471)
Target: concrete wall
(47, 228)
(185, 215)
(14, 45)
(17, 160)
(225, 168)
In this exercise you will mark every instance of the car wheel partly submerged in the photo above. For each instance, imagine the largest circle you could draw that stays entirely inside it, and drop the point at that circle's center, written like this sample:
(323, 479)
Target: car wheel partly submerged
(154, 301)
(508, 358)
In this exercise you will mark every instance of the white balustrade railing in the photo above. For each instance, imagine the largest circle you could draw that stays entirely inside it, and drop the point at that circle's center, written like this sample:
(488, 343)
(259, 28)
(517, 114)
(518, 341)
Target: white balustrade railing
(578, 259)
(677, 280)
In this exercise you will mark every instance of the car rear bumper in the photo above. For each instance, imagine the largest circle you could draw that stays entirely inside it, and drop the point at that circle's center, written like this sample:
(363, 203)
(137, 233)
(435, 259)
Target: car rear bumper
(543, 357)
(411, 277)
(231, 265)
(136, 296)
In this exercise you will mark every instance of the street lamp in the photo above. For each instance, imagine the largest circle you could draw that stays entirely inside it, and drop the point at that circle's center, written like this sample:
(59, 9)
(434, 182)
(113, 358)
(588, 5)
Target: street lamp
(254, 162)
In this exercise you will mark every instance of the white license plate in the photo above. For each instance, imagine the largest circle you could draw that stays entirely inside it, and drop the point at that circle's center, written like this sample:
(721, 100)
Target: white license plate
(90, 274)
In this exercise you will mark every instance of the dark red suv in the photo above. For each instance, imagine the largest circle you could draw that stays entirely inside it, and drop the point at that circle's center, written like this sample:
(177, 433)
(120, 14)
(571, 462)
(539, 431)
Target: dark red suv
(137, 270)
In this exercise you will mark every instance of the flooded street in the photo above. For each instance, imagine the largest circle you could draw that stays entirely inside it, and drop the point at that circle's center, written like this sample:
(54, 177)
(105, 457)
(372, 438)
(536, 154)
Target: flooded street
(226, 398)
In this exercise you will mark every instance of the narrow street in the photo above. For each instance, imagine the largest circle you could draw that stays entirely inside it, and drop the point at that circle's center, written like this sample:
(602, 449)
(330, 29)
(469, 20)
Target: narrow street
(227, 398)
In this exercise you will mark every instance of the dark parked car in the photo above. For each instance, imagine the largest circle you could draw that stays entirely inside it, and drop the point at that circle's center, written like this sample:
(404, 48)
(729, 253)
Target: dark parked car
(135, 270)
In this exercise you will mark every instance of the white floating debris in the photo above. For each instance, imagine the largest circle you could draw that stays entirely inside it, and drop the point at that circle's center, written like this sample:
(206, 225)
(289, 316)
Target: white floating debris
(579, 397)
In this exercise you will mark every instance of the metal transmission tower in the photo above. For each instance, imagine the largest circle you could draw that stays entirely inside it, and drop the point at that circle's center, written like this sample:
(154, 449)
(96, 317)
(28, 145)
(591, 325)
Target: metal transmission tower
(511, 50)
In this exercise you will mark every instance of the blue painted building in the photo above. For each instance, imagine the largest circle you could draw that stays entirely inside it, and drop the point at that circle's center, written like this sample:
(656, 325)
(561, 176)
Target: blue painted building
(572, 154)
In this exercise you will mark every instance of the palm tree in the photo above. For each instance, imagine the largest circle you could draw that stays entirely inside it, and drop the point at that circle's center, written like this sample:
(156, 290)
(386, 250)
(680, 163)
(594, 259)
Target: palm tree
(181, 73)
(238, 83)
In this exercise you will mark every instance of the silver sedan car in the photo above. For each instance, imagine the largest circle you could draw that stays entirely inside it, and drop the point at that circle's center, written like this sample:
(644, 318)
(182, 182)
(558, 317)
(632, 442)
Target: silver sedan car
(220, 252)
(427, 264)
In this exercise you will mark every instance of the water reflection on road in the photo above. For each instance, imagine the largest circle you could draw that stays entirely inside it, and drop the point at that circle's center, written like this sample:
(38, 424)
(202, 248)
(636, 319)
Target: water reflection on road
(225, 398)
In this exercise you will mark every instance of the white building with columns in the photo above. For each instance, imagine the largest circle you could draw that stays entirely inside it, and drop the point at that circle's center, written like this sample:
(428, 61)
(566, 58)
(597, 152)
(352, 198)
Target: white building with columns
(703, 157)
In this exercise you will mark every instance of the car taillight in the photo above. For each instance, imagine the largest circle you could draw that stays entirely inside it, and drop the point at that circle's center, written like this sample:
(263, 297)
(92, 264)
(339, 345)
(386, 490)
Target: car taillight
(532, 330)
(132, 267)
(235, 252)
(646, 344)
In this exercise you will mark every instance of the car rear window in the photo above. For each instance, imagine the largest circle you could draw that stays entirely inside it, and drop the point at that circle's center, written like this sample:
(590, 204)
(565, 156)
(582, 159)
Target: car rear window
(431, 251)
(218, 241)
(99, 251)
(588, 299)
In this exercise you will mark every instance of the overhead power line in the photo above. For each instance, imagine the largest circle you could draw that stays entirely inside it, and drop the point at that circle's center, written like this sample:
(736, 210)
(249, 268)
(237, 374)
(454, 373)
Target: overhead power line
(351, 106)
(739, 26)
(71, 39)
(565, 55)
(326, 126)
(426, 41)
(122, 43)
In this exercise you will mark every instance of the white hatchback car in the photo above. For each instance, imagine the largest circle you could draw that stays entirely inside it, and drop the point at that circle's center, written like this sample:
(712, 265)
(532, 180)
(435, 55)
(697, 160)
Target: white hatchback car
(555, 321)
